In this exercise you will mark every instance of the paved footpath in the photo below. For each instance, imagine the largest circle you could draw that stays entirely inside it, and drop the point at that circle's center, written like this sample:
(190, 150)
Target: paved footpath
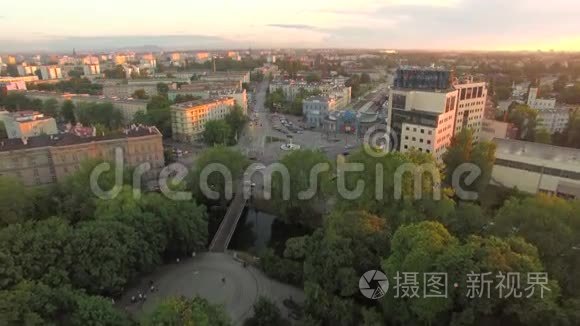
(203, 275)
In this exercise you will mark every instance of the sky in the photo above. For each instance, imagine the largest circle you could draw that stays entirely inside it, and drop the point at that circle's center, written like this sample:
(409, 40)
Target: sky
(61, 25)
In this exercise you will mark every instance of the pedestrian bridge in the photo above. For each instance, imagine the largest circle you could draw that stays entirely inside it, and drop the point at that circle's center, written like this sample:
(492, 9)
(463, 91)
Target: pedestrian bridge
(223, 236)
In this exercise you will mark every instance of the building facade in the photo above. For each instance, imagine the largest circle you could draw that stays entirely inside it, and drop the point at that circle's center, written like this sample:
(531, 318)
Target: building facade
(422, 120)
(23, 124)
(188, 119)
(535, 168)
(537, 103)
(50, 72)
(316, 108)
(553, 120)
(91, 69)
(471, 105)
(26, 70)
(44, 159)
(128, 107)
(427, 108)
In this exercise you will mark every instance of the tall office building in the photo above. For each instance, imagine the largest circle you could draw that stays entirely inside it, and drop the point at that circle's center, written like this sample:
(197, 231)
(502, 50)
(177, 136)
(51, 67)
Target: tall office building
(472, 98)
(427, 107)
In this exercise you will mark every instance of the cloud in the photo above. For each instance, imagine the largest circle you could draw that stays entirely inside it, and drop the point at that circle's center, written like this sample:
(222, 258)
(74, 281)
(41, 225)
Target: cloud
(466, 24)
(294, 26)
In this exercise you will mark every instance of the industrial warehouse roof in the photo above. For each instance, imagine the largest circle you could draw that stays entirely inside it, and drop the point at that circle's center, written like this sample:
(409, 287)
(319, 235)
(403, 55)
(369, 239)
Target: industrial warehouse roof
(538, 154)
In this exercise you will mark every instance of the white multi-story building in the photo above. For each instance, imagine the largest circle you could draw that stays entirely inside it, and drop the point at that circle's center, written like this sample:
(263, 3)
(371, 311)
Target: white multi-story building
(188, 119)
(540, 103)
(426, 109)
(50, 72)
(423, 120)
(553, 120)
(242, 76)
(26, 70)
(91, 69)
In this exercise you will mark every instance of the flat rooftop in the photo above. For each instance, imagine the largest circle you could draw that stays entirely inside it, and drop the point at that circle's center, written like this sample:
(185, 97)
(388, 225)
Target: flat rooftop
(538, 154)
(87, 97)
(189, 104)
(68, 139)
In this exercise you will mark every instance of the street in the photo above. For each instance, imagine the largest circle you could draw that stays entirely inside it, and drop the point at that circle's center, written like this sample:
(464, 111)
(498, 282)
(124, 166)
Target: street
(255, 138)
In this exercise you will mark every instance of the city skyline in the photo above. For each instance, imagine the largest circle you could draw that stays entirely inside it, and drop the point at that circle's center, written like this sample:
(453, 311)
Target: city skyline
(418, 24)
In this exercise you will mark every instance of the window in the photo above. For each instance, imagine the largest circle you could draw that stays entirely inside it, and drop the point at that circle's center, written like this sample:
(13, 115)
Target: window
(414, 139)
(422, 131)
(421, 140)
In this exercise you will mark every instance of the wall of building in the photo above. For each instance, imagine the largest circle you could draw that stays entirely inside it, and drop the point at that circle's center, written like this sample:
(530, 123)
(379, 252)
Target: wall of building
(188, 119)
(471, 102)
(554, 121)
(46, 165)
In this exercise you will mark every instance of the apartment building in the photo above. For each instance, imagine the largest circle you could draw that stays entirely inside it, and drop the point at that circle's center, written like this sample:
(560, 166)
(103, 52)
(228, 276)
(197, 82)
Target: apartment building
(201, 57)
(188, 119)
(91, 69)
(242, 76)
(46, 159)
(50, 72)
(239, 95)
(27, 124)
(538, 103)
(26, 70)
(128, 107)
(553, 120)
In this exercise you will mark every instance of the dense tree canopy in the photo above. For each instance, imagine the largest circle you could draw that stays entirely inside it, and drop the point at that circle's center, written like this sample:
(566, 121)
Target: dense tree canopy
(301, 166)
(464, 149)
(217, 132)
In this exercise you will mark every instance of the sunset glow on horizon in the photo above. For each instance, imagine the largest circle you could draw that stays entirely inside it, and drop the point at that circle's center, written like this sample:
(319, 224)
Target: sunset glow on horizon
(415, 24)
